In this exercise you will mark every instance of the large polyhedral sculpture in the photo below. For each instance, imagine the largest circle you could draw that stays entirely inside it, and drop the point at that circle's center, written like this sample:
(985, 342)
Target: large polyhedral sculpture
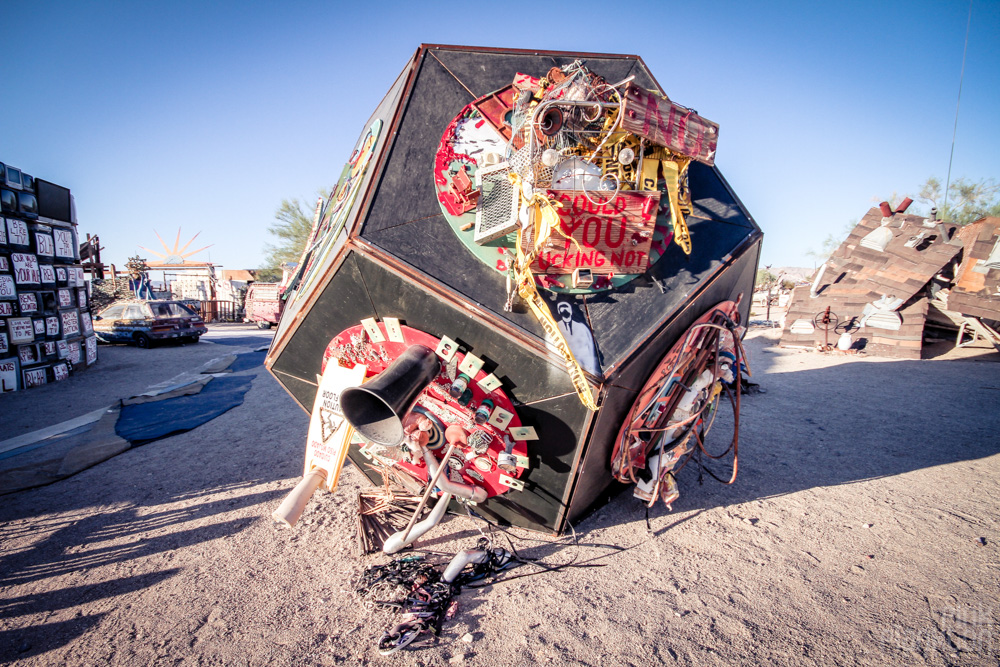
(519, 239)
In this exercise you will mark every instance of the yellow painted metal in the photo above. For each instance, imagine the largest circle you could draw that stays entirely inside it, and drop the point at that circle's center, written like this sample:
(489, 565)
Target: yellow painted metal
(545, 219)
(671, 174)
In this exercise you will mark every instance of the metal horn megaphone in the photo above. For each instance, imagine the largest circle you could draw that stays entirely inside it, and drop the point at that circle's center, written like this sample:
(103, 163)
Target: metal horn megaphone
(376, 410)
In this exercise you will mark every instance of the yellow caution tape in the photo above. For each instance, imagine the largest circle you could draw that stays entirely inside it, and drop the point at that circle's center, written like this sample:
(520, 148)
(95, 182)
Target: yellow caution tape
(671, 174)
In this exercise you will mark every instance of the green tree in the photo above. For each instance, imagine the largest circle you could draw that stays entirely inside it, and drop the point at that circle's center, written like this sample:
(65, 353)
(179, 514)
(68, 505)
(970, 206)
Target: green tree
(764, 278)
(967, 200)
(267, 275)
(292, 226)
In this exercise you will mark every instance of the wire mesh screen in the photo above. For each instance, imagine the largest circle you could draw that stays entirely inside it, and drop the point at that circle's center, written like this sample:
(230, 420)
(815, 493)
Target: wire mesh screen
(496, 214)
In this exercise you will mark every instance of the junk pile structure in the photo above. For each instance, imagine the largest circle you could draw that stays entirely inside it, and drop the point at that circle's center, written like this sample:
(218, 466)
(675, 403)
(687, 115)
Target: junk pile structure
(525, 292)
(898, 280)
(46, 332)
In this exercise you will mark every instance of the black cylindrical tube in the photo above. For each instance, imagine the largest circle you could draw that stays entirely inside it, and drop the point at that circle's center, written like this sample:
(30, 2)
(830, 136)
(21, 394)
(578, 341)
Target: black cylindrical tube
(376, 409)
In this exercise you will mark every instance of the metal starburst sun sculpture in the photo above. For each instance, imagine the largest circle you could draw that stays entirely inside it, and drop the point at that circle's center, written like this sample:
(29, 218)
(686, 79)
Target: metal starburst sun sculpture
(176, 255)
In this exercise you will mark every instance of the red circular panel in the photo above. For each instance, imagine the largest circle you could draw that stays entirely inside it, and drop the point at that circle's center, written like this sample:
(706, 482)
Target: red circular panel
(353, 346)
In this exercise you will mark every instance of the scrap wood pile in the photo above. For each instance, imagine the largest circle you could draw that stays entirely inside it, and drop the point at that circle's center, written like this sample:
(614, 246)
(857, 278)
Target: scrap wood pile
(106, 292)
(897, 279)
(381, 513)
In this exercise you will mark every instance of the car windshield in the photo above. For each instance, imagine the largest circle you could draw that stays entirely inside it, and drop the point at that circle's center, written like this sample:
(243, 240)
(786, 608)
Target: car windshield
(171, 309)
(112, 312)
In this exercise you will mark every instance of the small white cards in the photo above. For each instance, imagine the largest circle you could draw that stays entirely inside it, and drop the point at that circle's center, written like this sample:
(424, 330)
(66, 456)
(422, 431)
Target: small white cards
(489, 383)
(447, 348)
(500, 418)
(471, 365)
(393, 329)
(371, 328)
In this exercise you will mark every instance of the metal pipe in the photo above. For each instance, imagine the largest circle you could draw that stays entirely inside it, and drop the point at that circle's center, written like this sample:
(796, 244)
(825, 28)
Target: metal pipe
(436, 477)
(432, 479)
(815, 285)
(467, 491)
(396, 541)
(469, 556)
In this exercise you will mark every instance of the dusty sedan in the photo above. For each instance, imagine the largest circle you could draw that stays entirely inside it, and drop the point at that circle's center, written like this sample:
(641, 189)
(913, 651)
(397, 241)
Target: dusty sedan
(146, 322)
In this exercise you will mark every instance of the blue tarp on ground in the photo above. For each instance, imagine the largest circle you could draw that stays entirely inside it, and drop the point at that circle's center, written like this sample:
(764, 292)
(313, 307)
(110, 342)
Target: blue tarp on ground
(248, 360)
(144, 423)
(243, 341)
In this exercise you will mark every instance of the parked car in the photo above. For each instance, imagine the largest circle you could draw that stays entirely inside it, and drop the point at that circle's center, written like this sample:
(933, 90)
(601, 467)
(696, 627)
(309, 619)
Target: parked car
(147, 322)
(263, 304)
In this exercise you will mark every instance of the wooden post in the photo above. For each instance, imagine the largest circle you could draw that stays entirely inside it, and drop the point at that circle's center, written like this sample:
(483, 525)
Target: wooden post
(96, 249)
(769, 287)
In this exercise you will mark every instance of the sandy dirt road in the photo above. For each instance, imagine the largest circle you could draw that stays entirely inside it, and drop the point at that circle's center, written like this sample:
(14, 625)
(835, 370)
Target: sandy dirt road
(863, 529)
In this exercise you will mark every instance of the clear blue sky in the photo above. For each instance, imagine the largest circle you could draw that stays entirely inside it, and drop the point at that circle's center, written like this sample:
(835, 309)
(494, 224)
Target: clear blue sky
(204, 116)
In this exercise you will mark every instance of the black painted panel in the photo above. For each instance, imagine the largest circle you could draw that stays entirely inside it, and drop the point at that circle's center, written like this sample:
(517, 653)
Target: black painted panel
(343, 303)
(711, 199)
(527, 378)
(406, 190)
(622, 319)
(531, 377)
(303, 392)
(431, 245)
(484, 72)
(595, 473)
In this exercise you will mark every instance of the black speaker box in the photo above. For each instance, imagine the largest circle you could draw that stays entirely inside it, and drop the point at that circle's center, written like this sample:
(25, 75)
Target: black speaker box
(398, 257)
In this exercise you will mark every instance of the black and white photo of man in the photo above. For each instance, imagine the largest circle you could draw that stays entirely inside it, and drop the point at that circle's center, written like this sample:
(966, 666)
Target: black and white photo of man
(573, 325)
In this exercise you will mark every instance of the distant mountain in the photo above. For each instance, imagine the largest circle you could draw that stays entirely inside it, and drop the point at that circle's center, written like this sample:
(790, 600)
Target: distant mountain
(794, 272)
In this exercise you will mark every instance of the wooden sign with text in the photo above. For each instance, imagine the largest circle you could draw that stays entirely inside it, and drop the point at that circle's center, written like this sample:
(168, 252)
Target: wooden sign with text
(613, 237)
(8, 375)
(63, 239)
(665, 123)
(25, 269)
(7, 289)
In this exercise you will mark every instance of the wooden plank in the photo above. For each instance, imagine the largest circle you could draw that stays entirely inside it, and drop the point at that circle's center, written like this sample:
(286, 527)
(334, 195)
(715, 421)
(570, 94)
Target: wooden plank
(665, 123)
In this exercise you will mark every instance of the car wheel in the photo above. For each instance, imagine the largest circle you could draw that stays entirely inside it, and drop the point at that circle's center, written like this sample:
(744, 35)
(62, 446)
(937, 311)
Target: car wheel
(192, 339)
(143, 341)
(263, 325)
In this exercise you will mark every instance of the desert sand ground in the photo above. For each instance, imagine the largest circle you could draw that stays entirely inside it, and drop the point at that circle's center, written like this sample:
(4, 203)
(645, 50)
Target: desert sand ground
(863, 529)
